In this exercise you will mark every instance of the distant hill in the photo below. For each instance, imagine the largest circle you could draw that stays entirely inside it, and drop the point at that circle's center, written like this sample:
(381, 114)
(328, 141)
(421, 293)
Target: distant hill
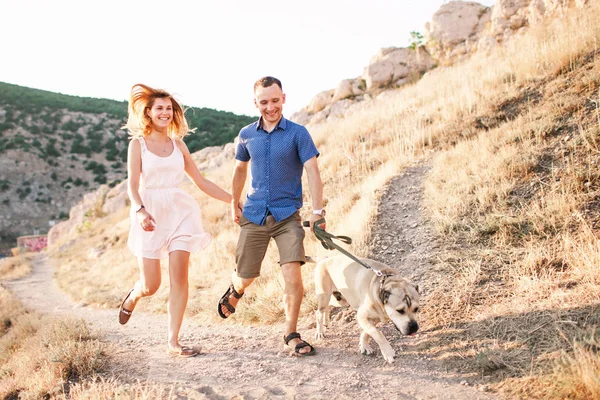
(56, 147)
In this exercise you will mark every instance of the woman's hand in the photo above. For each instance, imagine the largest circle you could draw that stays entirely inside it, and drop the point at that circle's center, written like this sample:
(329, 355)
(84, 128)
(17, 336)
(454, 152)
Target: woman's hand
(146, 220)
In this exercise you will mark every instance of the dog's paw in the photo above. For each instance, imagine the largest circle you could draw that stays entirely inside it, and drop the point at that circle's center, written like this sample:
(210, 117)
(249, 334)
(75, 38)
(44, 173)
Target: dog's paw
(319, 335)
(366, 349)
(389, 355)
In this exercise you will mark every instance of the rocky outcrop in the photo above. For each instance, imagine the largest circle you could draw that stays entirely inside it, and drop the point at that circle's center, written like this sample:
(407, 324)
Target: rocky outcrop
(393, 67)
(456, 31)
(459, 29)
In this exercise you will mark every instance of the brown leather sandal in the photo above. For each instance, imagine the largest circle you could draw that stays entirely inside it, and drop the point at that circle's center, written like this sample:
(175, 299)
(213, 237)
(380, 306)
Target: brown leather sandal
(124, 314)
(183, 351)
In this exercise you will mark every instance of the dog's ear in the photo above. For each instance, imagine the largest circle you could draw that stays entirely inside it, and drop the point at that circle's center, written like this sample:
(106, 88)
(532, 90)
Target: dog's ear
(385, 296)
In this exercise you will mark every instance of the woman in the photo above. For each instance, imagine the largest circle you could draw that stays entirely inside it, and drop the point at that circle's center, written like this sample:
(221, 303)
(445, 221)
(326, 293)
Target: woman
(165, 220)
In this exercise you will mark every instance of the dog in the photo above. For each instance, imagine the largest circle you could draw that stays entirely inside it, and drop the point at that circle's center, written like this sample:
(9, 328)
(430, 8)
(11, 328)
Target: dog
(341, 282)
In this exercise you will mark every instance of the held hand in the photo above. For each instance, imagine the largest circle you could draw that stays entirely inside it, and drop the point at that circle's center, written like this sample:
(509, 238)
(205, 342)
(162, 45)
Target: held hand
(146, 220)
(236, 213)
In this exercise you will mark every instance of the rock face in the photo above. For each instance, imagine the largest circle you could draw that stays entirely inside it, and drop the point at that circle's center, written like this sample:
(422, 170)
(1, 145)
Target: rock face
(394, 67)
(459, 29)
(456, 31)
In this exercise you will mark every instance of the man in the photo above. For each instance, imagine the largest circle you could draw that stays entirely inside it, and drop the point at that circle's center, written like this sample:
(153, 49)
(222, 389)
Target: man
(278, 150)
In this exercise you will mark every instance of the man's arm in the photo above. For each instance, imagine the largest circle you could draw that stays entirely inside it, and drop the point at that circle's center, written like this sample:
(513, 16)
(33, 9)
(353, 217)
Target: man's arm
(315, 185)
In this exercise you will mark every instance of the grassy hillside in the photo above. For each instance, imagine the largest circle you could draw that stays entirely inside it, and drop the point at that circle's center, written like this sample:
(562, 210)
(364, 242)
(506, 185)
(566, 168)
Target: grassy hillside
(213, 128)
(54, 148)
(514, 145)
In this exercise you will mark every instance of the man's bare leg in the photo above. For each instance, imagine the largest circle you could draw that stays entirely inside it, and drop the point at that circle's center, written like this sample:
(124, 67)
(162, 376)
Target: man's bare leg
(292, 300)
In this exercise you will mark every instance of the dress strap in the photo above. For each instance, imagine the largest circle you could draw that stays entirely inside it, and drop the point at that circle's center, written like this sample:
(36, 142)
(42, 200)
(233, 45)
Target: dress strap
(175, 147)
(142, 144)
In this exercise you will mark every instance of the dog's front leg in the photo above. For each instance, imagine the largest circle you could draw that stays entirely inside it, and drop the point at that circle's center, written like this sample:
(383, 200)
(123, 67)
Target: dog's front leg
(322, 315)
(371, 330)
(365, 347)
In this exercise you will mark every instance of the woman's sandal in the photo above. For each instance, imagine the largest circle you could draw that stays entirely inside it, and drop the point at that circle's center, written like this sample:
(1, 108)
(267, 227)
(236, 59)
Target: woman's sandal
(224, 301)
(301, 345)
(183, 351)
(124, 314)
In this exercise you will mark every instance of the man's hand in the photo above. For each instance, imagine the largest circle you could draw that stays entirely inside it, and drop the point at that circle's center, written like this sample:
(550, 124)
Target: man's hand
(236, 212)
(313, 218)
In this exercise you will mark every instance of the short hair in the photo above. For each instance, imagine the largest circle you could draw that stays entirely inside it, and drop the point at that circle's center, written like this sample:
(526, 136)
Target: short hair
(267, 81)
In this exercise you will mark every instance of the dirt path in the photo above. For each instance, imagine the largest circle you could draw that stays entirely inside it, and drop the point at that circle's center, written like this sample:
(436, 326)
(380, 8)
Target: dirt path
(249, 363)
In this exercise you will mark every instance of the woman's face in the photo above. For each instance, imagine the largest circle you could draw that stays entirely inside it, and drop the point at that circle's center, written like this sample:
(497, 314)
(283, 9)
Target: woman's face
(161, 113)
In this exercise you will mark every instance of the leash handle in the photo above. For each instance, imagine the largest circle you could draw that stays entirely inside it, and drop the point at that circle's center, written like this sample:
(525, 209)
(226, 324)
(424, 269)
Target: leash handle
(324, 236)
(326, 240)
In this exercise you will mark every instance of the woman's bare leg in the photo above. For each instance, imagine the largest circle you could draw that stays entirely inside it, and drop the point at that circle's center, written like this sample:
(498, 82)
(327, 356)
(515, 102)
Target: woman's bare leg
(147, 285)
(178, 293)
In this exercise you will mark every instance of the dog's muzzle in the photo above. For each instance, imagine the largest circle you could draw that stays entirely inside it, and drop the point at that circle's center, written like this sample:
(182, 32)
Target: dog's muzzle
(411, 327)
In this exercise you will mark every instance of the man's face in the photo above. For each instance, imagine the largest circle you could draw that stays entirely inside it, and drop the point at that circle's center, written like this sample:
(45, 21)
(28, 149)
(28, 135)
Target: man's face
(270, 101)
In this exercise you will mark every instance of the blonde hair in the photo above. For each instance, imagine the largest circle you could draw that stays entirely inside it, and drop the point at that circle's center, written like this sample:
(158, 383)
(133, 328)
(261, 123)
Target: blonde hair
(141, 100)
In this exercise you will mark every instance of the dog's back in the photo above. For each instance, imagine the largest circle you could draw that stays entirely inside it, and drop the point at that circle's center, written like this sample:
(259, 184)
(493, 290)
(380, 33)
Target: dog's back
(345, 276)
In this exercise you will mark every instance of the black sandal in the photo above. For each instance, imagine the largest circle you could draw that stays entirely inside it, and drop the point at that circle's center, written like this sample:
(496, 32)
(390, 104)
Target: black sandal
(301, 345)
(224, 301)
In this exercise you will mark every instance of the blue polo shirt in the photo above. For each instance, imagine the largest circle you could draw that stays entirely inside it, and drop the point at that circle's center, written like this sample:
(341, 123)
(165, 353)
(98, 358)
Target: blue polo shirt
(278, 159)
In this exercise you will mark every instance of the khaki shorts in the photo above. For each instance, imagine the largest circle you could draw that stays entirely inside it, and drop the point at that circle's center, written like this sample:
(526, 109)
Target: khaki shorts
(254, 240)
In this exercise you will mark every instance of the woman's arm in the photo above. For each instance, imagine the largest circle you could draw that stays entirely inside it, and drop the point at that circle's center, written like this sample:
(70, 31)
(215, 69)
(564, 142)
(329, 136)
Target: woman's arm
(238, 180)
(134, 171)
(200, 181)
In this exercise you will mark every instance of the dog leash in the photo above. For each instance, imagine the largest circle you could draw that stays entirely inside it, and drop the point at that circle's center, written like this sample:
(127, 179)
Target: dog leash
(326, 240)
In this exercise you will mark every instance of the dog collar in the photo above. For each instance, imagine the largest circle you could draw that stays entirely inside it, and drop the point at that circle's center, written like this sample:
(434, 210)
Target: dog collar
(383, 294)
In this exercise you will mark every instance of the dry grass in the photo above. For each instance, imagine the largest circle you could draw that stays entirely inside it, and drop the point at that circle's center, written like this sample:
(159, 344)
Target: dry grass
(111, 388)
(519, 198)
(42, 356)
(514, 189)
(16, 267)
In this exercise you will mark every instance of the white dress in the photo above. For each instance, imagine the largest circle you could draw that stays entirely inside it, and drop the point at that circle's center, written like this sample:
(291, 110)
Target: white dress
(177, 214)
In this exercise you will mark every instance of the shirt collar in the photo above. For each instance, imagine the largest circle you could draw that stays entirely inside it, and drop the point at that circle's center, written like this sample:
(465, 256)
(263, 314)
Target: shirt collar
(282, 124)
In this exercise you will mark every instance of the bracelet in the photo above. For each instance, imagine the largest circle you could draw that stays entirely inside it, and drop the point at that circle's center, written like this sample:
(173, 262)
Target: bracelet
(320, 212)
(140, 208)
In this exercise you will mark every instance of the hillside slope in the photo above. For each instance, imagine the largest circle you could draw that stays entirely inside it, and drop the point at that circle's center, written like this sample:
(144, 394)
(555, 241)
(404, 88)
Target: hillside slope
(54, 148)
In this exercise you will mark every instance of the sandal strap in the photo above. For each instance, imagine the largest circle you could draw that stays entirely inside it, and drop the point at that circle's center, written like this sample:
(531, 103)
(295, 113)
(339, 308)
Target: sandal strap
(291, 336)
(302, 345)
(234, 292)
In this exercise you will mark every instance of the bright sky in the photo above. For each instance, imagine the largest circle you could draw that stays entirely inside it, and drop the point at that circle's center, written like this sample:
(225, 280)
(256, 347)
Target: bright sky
(209, 53)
